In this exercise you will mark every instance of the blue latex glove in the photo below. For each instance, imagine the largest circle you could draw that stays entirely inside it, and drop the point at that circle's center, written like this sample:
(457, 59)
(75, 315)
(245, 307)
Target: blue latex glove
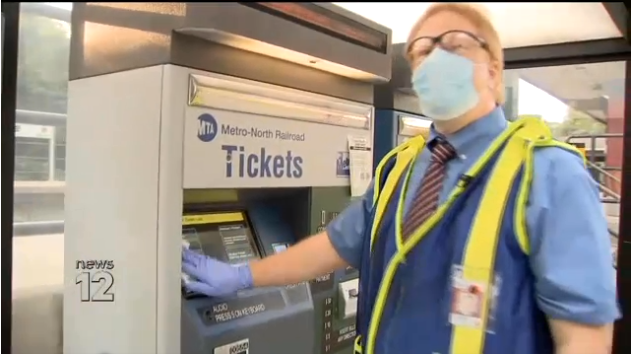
(215, 278)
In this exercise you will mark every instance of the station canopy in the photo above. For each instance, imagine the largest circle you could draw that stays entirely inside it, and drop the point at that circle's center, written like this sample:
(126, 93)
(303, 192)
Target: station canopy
(521, 26)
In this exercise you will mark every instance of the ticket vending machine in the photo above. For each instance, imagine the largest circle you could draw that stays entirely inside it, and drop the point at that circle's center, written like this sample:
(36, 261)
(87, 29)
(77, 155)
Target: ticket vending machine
(244, 170)
(274, 182)
(393, 128)
(164, 156)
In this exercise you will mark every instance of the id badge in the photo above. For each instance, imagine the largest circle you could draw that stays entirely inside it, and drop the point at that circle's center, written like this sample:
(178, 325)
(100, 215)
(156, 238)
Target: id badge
(468, 297)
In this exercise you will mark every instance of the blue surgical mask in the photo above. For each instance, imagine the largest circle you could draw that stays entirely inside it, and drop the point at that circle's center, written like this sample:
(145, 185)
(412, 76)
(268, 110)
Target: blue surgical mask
(444, 83)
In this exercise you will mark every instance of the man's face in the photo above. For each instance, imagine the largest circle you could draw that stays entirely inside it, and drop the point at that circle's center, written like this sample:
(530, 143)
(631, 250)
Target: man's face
(460, 36)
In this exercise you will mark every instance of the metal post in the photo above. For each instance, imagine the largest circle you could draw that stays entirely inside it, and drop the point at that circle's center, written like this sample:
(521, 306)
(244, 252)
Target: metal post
(622, 328)
(11, 14)
(593, 148)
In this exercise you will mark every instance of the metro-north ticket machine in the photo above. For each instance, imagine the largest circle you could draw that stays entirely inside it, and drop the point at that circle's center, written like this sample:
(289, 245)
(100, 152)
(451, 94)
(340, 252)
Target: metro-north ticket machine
(196, 135)
(265, 152)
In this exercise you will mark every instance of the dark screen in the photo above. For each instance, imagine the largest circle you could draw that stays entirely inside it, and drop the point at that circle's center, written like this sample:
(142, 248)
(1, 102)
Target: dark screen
(231, 242)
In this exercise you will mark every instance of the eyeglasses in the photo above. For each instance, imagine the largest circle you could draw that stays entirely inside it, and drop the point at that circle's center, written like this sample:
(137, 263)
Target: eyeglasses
(456, 41)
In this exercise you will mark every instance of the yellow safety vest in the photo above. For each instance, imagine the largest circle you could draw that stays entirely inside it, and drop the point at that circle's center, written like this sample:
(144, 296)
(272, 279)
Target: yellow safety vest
(518, 143)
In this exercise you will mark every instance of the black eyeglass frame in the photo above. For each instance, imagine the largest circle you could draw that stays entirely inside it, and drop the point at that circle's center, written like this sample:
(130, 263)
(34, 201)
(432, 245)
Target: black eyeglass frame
(437, 39)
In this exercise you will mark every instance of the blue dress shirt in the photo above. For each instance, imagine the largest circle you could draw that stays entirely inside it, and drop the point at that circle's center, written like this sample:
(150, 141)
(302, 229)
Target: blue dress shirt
(570, 244)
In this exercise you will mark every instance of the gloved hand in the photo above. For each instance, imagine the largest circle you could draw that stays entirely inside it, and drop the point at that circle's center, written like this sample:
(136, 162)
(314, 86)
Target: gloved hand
(216, 278)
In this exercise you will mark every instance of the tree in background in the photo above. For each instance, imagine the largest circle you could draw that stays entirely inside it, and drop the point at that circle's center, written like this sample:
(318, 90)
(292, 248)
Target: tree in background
(577, 122)
(43, 56)
(44, 50)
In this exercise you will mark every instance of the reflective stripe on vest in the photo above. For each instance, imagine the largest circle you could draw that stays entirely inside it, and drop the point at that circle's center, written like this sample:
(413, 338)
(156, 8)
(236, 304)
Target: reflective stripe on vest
(480, 252)
(521, 138)
(357, 345)
(382, 195)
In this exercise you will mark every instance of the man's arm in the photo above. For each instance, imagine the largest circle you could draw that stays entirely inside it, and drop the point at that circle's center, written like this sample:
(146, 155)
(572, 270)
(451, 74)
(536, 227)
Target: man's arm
(312, 257)
(577, 338)
(570, 254)
(339, 246)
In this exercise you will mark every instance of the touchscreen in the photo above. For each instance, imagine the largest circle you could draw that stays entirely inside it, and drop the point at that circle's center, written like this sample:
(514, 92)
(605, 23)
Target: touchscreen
(224, 236)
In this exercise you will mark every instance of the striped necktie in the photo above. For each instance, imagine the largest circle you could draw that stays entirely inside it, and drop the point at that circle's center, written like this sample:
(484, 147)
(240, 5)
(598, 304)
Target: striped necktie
(426, 200)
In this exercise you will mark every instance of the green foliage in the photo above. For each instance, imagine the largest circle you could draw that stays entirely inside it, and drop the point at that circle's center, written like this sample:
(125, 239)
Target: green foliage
(577, 122)
(43, 56)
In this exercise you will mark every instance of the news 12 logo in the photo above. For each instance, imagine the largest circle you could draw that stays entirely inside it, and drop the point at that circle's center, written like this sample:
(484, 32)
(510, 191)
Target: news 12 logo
(207, 128)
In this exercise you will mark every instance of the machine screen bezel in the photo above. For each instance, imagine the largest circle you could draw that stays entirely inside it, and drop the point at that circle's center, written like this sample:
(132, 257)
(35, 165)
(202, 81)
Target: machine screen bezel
(223, 218)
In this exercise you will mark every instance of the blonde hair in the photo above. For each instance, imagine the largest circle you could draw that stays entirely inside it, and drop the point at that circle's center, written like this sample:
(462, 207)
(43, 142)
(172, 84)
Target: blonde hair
(479, 16)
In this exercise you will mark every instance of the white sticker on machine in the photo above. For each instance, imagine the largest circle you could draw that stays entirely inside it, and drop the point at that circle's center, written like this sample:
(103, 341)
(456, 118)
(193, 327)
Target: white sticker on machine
(238, 347)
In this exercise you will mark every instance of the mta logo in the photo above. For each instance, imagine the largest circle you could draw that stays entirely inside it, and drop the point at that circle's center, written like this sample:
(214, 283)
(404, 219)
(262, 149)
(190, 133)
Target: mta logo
(207, 127)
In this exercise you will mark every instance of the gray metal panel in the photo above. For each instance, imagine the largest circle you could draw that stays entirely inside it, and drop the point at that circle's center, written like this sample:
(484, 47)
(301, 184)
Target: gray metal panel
(240, 20)
(406, 101)
(356, 18)
(284, 331)
(390, 97)
(401, 69)
(111, 39)
(193, 52)
(397, 94)
(108, 38)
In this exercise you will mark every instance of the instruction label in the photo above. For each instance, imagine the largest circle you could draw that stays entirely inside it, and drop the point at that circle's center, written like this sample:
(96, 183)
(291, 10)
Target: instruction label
(242, 307)
(236, 243)
(322, 283)
(360, 164)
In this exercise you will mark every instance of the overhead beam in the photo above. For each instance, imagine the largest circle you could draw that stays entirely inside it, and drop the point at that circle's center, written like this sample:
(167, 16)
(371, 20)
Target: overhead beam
(620, 14)
(583, 52)
(593, 51)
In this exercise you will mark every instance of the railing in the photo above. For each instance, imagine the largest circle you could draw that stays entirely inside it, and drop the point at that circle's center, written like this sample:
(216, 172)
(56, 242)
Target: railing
(612, 196)
(593, 140)
(609, 196)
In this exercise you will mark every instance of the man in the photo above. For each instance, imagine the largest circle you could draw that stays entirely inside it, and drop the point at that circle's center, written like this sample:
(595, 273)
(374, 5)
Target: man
(457, 253)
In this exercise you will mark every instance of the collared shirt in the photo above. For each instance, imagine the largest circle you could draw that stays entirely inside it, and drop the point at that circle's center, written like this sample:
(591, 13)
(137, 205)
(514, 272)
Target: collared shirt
(570, 244)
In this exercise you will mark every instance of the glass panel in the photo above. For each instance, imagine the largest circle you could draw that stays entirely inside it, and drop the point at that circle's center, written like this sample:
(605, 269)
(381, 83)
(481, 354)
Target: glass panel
(38, 244)
(584, 105)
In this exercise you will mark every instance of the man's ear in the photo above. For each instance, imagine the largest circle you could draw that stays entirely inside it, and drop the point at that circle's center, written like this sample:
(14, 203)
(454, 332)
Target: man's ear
(495, 73)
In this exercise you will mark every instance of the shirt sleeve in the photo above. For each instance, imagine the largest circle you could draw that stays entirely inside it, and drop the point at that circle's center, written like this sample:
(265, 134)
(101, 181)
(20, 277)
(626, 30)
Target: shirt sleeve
(571, 254)
(347, 231)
